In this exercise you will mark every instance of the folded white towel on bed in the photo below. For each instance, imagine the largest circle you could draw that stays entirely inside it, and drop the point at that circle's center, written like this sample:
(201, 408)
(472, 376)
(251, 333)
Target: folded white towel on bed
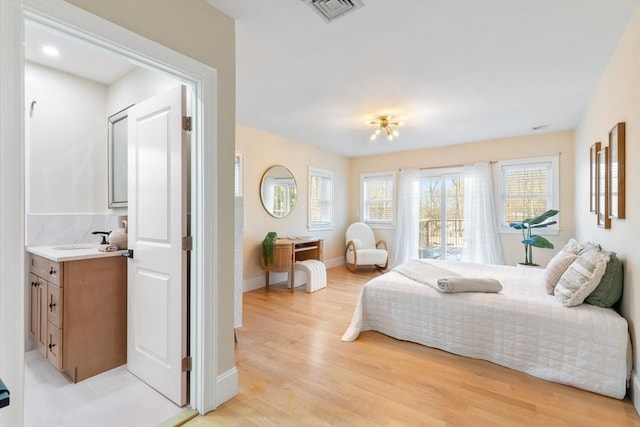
(468, 284)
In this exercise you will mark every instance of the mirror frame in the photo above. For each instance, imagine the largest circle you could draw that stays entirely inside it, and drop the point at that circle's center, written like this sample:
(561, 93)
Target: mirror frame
(262, 188)
(118, 154)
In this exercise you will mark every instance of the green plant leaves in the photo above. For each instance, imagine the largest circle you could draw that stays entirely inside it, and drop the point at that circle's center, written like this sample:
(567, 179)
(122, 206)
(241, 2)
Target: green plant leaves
(267, 247)
(538, 242)
(535, 240)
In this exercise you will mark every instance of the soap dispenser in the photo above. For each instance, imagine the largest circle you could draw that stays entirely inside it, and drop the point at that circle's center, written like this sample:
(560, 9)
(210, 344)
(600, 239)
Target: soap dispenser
(119, 237)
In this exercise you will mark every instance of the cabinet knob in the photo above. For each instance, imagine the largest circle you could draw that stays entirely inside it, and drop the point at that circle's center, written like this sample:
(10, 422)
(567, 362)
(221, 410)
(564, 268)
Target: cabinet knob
(51, 346)
(52, 271)
(53, 304)
(34, 283)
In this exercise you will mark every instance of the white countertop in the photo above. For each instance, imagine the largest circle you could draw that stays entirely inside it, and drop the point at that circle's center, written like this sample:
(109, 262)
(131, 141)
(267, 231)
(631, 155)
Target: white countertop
(72, 252)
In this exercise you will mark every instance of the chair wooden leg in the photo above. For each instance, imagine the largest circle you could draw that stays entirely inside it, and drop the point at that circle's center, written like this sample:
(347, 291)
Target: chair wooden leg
(351, 267)
(383, 267)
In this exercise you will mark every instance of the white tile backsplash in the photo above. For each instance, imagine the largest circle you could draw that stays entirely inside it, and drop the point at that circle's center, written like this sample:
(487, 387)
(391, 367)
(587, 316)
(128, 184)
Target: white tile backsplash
(60, 229)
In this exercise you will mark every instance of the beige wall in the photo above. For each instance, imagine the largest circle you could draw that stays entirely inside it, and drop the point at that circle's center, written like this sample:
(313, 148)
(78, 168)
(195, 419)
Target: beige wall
(262, 150)
(502, 149)
(616, 99)
(198, 30)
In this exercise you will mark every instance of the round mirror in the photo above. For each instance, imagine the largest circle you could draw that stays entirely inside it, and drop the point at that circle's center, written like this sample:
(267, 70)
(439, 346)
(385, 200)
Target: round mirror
(278, 191)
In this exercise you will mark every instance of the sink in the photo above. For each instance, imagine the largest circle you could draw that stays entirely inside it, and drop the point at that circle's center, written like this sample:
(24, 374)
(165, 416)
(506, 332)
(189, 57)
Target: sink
(75, 246)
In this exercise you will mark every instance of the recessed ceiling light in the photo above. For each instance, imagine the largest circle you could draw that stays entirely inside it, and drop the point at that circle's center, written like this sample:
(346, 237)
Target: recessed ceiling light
(50, 50)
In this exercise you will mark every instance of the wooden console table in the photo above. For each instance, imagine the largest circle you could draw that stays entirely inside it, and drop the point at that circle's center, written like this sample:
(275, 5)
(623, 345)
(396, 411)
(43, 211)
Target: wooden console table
(287, 251)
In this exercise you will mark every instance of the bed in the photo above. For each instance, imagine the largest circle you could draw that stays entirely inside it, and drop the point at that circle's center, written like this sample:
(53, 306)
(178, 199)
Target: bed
(521, 327)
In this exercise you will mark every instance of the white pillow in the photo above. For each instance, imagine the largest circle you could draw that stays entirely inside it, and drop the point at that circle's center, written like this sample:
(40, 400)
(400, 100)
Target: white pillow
(581, 278)
(577, 248)
(572, 246)
(588, 246)
(556, 268)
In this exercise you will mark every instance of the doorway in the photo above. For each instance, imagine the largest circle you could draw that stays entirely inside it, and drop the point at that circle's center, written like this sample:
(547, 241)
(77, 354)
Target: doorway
(93, 30)
(70, 91)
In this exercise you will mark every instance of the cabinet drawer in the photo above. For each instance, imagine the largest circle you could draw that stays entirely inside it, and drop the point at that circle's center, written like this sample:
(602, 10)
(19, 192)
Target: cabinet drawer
(54, 346)
(47, 269)
(54, 305)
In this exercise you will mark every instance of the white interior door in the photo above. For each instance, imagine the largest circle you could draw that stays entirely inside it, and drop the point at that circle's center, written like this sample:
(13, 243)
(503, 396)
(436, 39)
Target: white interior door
(157, 279)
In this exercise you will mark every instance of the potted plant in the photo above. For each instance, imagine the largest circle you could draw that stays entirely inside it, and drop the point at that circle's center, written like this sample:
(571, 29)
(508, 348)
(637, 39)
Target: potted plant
(534, 240)
(267, 248)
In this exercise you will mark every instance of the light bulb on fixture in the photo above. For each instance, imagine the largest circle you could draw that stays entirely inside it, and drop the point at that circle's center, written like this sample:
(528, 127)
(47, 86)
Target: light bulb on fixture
(385, 123)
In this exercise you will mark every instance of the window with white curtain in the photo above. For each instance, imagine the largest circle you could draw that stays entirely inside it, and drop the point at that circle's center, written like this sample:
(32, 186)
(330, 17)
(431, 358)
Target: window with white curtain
(320, 199)
(441, 214)
(239, 170)
(378, 199)
(527, 188)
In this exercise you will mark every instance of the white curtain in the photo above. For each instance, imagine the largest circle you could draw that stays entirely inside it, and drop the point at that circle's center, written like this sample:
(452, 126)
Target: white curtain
(481, 238)
(406, 241)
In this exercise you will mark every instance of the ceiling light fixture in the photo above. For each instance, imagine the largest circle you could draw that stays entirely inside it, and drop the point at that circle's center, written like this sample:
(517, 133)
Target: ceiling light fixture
(50, 50)
(385, 123)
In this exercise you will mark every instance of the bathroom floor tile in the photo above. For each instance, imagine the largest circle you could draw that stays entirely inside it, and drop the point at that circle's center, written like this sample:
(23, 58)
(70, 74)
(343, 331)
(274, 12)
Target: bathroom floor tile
(114, 398)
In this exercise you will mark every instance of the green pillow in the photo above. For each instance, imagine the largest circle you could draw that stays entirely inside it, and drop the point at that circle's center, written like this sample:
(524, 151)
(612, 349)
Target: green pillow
(609, 291)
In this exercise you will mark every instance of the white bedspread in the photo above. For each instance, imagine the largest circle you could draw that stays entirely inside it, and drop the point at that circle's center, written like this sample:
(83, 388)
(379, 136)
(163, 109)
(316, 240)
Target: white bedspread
(522, 327)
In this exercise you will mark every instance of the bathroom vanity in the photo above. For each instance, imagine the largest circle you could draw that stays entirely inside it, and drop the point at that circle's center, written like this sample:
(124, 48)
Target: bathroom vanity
(78, 313)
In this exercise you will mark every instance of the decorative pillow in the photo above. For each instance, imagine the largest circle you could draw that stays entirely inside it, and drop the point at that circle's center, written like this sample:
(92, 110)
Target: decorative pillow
(556, 268)
(609, 291)
(581, 278)
(572, 246)
(588, 246)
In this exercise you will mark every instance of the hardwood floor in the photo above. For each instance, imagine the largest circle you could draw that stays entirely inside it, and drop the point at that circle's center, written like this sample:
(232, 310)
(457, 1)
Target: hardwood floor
(295, 371)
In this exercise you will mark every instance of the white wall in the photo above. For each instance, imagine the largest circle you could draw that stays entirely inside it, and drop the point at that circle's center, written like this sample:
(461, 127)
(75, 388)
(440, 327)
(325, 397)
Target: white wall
(262, 150)
(135, 86)
(616, 99)
(67, 149)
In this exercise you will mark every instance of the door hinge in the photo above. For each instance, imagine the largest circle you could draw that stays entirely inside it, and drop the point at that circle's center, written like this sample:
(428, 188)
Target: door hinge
(186, 123)
(186, 364)
(187, 243)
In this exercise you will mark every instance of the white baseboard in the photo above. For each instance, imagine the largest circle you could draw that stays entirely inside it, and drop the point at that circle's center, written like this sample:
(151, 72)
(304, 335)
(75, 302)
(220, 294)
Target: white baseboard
(334, 262)
(253, 284)
(259, 282)
(635, 391)
(227, 386)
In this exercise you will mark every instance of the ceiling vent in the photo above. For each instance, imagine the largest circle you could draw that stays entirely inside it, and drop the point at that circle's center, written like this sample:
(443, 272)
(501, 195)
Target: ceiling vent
(331, 10)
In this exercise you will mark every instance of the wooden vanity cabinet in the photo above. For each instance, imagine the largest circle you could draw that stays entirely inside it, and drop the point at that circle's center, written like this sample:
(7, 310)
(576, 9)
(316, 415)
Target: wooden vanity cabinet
(38, 314)
(79, 313)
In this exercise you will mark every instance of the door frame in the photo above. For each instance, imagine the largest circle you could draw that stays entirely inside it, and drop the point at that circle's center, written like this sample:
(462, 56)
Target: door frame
(207, 390)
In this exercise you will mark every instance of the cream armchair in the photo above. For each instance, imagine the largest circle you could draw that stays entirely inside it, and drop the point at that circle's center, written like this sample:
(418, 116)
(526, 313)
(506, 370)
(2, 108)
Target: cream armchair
(362, 248)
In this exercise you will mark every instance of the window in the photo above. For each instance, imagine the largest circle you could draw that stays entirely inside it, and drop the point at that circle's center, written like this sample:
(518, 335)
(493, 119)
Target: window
(441, 217)
(527, 188)
(378, 204)
(320, 199)
(239, 169)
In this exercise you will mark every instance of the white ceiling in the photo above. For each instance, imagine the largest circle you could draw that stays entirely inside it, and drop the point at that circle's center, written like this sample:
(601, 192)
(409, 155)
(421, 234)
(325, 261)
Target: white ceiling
(453, 71)
(75, 57)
